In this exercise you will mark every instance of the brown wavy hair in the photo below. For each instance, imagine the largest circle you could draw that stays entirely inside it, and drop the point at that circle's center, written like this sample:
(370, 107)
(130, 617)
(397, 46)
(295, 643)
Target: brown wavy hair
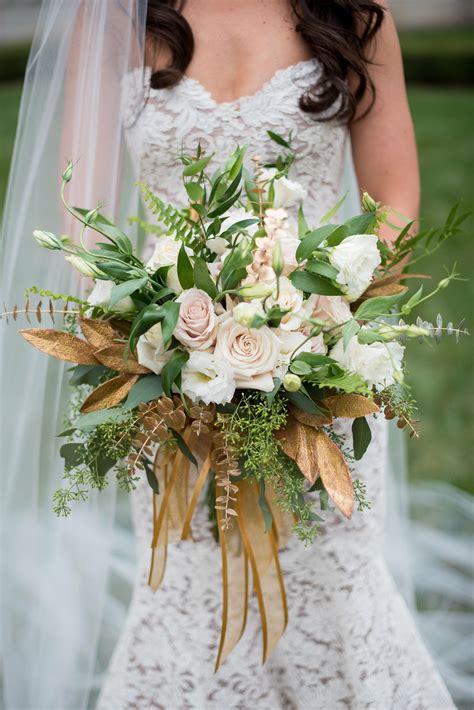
(338, 33)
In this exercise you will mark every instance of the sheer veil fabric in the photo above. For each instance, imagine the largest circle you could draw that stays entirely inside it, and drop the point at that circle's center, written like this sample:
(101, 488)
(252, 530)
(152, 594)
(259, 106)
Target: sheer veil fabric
(55, 572)
(65, 583)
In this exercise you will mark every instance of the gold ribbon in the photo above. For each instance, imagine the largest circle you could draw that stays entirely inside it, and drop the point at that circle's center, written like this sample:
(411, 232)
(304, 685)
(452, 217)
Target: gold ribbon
(242, 543)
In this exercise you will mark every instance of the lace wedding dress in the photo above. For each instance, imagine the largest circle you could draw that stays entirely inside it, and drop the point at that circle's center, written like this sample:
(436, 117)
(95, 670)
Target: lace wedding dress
(350, 641)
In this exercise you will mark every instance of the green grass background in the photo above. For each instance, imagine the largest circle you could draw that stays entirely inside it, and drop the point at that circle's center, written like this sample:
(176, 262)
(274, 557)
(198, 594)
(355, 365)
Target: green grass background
(441, 376)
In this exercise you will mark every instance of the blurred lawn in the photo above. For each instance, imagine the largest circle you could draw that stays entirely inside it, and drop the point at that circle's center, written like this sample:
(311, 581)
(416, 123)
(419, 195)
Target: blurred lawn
(441, 376)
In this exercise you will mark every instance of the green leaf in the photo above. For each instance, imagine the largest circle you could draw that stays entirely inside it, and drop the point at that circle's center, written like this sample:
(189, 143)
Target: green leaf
(361, 224)
(312, 283)
(234, 269)
(322, 268)
(278, 139)
(230, 191)
(126, 288)
(108, 229)
(236, 161)
(413, 300)
(202, 278)
(240, 226)
(196, 167)
(151, 478)
(166, 314)
(366, 336)
(304, 402)
(264, 507)
(303, 228)
(185, 269)
(88, 422)
(361, 437)
(337, 236)
(374, 307)
(72, 454)
(147, 388)
(314, 359)
(103, 464)
(87, 374)
(224, 206)
(333, 211)
(172, 369)
(350, 329)
(67, 432)
(195, 191)
(311, 241)
(299, 367)
(183, 447)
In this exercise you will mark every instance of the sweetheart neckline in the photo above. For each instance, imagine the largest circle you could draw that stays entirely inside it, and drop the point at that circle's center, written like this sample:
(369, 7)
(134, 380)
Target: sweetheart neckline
(277, 75)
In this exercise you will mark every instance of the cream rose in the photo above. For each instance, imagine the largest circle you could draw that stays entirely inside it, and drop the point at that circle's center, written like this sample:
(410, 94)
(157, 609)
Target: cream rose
(150, 350)
(100, 296)
(207, 378)
(333, 309)
(196, 321)
(252, 353)
(356, 258)
(376, 363)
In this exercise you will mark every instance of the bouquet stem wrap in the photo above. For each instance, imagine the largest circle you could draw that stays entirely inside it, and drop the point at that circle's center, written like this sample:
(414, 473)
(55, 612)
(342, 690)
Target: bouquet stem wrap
(243, 543)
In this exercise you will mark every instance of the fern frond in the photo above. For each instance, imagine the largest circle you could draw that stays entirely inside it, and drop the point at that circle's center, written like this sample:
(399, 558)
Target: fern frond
(174, 219)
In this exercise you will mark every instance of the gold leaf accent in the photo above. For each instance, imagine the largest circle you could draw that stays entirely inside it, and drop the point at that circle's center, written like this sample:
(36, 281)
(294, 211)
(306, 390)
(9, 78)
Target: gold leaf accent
(388, 289)
(314, 420)
(63, 346)
(298, 442)
(350, 405)
(109, 393)
(114, 356)
(98, 333)
(334, 472)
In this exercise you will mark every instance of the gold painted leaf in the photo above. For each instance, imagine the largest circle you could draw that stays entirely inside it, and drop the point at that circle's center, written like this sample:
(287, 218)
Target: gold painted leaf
(314, 420)
(63, 346)
(114, 356)
(99, 333)
(350, 405)
(109, 393)
(334, 472)
(298, 442)
(387, 289)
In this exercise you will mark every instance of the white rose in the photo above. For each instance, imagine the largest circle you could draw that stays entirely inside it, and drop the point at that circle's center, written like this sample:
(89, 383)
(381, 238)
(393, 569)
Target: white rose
(287, 192)
(289, 299)
(244, 313)
(197, 320)
(166, 254)
(150, 350)
(356, 258)
(333, 309)
(292, 342)
(376, 363)
(251, 352)
(207, 378)
(100, 296)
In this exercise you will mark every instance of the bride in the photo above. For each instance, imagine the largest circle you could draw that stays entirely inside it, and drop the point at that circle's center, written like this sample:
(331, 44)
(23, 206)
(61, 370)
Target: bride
(216, 72)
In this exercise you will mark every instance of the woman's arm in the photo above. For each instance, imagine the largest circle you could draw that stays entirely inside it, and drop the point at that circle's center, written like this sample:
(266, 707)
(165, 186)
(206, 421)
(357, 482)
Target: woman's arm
(383, 141)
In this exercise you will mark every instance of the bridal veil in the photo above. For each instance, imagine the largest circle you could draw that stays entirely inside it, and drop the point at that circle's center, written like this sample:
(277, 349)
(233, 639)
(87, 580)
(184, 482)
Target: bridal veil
(65, 581)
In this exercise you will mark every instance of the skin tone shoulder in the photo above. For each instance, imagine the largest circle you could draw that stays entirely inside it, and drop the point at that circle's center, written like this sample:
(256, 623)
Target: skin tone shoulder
(239, 44)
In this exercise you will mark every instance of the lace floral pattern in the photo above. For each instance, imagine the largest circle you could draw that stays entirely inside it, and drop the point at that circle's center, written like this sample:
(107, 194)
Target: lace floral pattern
(350, 642)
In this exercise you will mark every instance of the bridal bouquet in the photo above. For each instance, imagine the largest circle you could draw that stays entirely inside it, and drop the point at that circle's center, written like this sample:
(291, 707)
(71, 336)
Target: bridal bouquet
(224, 358)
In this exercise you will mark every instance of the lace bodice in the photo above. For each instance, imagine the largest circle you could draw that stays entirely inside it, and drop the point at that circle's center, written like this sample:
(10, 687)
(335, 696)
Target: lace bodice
(174, 120)
(350, 643)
